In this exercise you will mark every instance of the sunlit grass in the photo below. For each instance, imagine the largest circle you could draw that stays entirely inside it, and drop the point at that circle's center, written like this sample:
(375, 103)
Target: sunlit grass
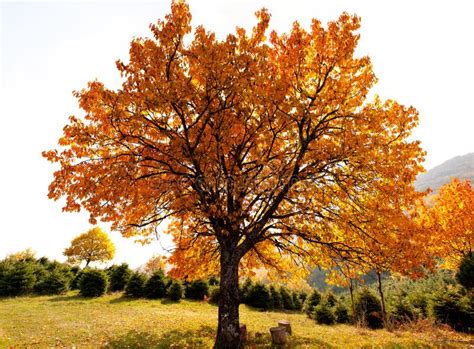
(116, 322)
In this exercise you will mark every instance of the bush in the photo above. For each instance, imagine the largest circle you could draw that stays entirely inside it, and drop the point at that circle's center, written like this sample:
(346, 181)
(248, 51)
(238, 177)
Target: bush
(92, 283)
(40, 273)
(342, 314)
(16, 277)
(43, 261)
(136, 285)
(297, 301)
(54, 282)
(287, 299)
(175, 291)
(303, 296)
(449, 308)
(259, 296)
(276, 300)
(213, 281)
(330, 299)
(368, 309)
(119, 275)
(214, 293)
(75, 280)
(419, 302)
(74, 270)
(323, 314)
(197, 290)
(402, 310)
(155, 287)
(22, 278)
(465, 274)
(244, 290)
(52, 277)
(312, 301)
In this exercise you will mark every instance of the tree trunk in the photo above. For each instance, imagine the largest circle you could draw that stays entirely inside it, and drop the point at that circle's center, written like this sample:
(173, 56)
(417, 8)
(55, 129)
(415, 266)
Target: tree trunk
(382, 300)
(228, 330)
(351, 290)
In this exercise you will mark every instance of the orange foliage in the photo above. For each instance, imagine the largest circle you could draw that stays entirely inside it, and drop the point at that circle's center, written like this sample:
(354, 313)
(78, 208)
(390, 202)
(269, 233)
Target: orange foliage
(262, 145)
(450, 221)
(155, 264)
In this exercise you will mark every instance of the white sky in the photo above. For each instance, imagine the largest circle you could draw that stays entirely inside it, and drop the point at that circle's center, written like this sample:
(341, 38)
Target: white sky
(422, 52)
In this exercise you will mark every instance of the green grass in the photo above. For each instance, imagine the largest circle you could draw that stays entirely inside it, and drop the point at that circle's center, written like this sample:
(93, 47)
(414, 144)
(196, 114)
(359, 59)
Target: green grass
(116, 322)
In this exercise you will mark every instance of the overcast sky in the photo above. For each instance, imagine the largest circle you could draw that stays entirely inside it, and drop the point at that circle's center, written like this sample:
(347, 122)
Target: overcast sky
(422, 52)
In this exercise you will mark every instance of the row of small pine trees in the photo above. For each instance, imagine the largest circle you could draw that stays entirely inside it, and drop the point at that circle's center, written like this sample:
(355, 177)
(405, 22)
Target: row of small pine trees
(444, 296)
(259, 295)
(96, 282)
(328, 309)
(454, 305)
(324, 308)
(24, 274)
(441, 297)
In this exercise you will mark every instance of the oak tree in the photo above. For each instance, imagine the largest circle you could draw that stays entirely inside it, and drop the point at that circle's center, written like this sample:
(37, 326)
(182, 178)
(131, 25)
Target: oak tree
(257, 149)
(91, 246)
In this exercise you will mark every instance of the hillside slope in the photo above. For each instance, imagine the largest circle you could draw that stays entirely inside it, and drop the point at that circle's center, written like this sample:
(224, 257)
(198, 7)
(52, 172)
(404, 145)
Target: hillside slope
(461, 167)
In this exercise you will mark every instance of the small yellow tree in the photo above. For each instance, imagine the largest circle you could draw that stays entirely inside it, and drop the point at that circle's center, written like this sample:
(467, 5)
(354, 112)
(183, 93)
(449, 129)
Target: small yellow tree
(24, 255)
(92, 246)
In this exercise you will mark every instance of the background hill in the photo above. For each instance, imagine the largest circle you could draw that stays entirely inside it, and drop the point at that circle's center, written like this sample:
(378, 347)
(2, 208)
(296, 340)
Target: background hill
(461, 167)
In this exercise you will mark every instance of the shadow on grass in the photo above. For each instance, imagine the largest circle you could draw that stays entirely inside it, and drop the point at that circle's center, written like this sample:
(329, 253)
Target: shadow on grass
(201, 338)
(123, 299)
(168, 301)
(264, 340)
(127, 299)
(412, 345)
(68, 298)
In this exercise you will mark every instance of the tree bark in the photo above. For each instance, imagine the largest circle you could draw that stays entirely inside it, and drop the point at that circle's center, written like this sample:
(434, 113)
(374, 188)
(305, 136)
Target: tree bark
(382, 300)
(228, 330)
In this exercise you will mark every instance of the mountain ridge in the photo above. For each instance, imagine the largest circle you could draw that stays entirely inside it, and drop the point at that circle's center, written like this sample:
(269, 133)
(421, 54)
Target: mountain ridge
(461, 167)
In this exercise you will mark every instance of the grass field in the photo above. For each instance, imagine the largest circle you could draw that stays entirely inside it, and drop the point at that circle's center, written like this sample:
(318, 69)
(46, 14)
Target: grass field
(116, 322)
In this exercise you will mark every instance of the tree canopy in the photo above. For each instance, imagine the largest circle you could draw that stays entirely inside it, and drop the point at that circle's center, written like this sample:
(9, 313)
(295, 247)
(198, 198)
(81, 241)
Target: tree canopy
(92, 246)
